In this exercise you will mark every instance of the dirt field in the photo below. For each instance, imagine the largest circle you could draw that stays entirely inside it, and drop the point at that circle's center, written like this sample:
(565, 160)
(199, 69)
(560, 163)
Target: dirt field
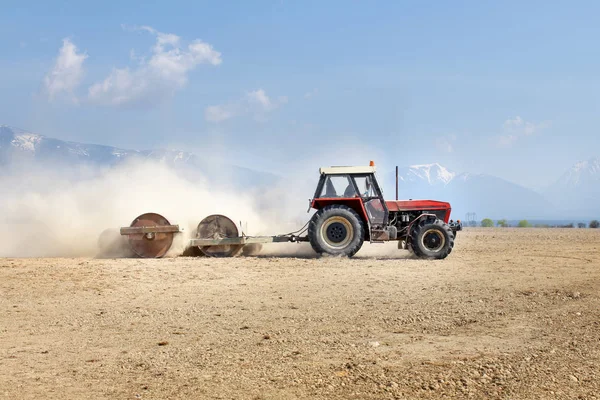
(511, 313)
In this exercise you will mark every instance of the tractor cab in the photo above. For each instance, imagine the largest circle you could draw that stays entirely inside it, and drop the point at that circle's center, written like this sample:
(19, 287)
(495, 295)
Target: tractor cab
(356, 187)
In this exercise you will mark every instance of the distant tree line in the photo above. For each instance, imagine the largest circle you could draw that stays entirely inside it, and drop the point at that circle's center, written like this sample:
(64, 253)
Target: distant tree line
(488, 223)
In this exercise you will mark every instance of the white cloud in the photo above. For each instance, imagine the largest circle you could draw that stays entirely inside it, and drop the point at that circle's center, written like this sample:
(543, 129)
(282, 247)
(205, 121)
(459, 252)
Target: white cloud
(159, 77)
(526, 128)
(67, 72)
(517, 127)
(506, 140)
(312, 93)
(256, 103)
(218, 113)
(446, 143)
(260, 97)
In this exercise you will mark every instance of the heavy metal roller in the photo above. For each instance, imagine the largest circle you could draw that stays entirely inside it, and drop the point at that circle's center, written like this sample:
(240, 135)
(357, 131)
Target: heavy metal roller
(150, 235)
(217, 227)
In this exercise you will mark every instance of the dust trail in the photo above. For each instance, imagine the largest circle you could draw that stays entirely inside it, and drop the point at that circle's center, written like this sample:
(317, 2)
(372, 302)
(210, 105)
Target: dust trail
(388, 250)
(44, 213)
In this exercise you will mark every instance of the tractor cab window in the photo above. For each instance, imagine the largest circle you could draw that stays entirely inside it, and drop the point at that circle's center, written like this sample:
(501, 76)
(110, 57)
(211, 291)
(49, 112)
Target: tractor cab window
(365, 186)
(338, 186)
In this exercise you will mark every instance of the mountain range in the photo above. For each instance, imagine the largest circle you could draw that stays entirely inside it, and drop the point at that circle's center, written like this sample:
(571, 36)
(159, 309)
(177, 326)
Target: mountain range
(574, 195)
(18, 146)
(578, 189)
(485, 195)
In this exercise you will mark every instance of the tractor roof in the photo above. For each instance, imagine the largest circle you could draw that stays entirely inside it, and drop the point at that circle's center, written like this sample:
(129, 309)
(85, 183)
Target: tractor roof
(347, 170)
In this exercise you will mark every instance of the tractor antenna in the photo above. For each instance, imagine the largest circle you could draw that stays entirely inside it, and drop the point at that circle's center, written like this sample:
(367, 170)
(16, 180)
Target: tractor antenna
(396, 182)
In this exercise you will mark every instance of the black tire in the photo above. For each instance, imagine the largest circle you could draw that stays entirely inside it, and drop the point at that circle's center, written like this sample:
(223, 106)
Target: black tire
(336, 230)
(432, 238)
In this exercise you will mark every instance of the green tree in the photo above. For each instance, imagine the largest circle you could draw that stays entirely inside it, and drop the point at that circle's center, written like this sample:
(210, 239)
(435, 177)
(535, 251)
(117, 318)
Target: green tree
(487, 223)
(581, 225)
(594, 224)
(502, 223)
(524, 224)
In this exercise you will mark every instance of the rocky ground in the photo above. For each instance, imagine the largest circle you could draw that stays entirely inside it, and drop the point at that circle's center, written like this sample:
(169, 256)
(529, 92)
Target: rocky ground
(511, 313)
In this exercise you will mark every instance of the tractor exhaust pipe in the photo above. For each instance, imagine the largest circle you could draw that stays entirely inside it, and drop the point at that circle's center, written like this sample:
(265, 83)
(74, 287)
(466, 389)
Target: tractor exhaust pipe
(396, 182)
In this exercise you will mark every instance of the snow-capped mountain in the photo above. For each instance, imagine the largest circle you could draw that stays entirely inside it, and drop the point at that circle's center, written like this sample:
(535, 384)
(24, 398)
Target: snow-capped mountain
(577, 191)
(433, 174)
(21, 139)
(18, 146)
(582, 173)
(576, 194)
(486, 195)
(15, 142)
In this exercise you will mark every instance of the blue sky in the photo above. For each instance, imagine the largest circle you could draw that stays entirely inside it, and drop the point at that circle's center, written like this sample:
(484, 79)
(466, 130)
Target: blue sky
(506, 88)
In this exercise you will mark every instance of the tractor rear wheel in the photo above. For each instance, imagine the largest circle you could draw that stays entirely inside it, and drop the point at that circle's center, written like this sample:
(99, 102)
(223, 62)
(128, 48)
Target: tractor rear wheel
(432, 238)
(336, 230)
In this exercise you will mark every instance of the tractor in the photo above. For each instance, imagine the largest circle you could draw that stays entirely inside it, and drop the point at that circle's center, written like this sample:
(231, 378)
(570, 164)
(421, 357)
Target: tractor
(351, 209)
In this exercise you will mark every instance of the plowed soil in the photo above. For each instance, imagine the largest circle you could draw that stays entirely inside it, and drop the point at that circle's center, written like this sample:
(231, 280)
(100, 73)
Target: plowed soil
(511, 313)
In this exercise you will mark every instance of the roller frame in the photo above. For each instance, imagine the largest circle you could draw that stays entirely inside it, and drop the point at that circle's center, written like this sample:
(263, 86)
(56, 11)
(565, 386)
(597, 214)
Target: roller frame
(150, 229)
(248, 240)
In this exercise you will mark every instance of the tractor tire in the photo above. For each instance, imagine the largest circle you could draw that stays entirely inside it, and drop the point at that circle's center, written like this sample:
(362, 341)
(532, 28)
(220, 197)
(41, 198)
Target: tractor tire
(431, 238)
(336, 230)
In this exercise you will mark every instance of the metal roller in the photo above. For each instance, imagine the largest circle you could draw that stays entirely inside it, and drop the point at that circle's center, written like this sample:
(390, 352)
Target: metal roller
(151, 236)
(218, 226)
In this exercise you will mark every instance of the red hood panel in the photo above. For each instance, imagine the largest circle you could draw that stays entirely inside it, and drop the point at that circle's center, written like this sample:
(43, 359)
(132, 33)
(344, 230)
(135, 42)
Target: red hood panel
(409, 205)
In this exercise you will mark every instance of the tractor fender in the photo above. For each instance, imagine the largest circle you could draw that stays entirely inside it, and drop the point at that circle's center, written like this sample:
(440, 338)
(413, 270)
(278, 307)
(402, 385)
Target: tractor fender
(354, 203)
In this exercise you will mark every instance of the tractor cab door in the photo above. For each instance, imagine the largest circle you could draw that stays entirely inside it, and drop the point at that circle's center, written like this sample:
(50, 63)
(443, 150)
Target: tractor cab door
(372, 199)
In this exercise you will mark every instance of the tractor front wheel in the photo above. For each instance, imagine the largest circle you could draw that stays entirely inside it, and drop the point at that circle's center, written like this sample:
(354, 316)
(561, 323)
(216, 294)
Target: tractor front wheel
(431, 238)
(336, 230)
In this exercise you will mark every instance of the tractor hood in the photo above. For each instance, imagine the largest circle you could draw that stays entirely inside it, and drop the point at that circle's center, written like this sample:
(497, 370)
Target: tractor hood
(440, 208)
(411, 205)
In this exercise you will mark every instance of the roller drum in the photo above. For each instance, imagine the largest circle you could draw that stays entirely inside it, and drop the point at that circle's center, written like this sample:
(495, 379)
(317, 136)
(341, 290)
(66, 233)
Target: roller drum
(152, 244)
(218, 226)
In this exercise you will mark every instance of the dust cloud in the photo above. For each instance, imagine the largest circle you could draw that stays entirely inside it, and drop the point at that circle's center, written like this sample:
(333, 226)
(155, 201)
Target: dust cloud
(51, 213)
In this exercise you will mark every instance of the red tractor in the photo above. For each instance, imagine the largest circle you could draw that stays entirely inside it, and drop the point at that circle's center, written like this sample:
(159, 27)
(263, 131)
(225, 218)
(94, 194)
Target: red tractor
(350, 209)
